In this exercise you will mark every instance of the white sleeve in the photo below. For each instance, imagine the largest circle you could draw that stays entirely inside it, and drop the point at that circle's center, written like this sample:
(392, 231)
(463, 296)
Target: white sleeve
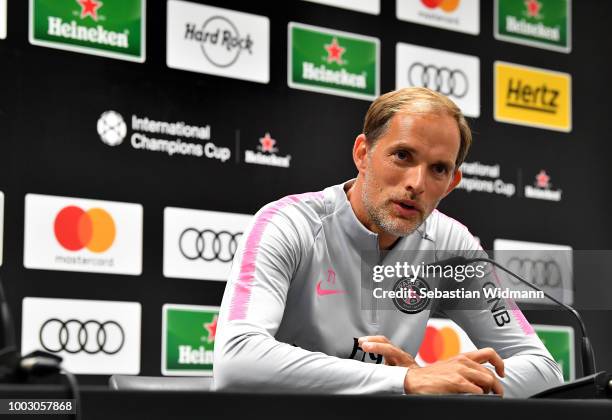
(247, 357)
(529, 367)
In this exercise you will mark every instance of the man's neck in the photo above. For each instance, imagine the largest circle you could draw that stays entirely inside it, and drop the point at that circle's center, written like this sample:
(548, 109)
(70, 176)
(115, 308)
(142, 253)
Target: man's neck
(354, 193)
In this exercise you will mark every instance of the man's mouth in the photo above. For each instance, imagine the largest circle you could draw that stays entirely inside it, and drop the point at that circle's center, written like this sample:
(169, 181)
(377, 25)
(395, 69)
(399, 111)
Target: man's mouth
(408, 205)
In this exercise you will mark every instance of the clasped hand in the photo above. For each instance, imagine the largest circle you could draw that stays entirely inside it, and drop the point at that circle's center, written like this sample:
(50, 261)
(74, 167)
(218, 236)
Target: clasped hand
(463, 373)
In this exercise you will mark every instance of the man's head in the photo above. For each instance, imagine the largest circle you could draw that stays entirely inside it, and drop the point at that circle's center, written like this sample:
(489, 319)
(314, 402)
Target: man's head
(408, 157)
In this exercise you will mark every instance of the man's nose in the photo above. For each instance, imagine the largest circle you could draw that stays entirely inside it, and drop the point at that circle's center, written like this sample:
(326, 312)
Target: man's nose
(415, 179)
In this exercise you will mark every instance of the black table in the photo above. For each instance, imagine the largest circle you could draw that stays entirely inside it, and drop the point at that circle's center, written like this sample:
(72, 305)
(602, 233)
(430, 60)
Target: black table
(101, 403)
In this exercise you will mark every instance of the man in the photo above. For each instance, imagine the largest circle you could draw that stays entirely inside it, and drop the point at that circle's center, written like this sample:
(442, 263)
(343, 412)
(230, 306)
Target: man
(293, 317)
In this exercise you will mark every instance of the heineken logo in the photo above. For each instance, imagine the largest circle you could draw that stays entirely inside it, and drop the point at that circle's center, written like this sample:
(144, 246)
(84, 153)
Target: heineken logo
(334, 52)
(90, 8)
(333, 62)
(110, 28)
(266, 154)
(538, 23)
(188, 339)
(220, 40)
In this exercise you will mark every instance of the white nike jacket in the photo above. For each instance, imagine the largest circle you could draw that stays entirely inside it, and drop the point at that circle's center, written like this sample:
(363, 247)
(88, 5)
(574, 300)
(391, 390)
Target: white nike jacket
(295, 302)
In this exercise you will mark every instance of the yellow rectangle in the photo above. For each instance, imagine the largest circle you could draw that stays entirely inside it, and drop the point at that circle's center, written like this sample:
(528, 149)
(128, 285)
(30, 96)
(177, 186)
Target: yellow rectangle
(533, 97)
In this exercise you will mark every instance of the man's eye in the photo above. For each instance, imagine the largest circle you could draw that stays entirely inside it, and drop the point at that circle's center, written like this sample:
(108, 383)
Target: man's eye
(401, 155)
(440, 169)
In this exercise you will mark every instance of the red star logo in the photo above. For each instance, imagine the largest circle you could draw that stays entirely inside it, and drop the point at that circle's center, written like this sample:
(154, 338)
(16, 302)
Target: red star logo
(334, 52)
(542, 179)
(267, 144)
(211, 327)
(533, 8)
(89, 8)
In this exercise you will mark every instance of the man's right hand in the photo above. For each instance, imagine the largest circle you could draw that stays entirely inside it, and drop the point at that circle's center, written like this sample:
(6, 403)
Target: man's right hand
(461, 374)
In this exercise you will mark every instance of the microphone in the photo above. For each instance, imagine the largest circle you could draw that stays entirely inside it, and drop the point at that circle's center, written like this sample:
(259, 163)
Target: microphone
(587, 353)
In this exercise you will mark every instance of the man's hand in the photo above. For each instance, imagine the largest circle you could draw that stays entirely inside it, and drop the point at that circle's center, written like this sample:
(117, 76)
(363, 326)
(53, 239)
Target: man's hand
(460, 374)
(392, 355)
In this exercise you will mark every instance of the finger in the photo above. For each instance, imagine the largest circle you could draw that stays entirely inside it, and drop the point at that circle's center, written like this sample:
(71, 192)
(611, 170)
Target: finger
(488, 355)
(387, 350)
(485, 380)
(466, 386)
(498, 388)
(374, 338)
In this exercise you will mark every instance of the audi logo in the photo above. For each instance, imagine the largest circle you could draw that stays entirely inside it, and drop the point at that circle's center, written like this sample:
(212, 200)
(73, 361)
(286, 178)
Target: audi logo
(208, 245)
(441, 79)
(539, 272)
(74, 336)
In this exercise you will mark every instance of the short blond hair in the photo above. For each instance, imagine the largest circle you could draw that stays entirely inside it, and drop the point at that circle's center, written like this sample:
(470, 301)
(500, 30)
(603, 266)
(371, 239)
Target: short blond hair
(415, 100)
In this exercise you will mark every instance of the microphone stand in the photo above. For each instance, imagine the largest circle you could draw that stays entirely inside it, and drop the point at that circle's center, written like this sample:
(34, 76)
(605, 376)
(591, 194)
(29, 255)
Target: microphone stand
(587, 354)
(592, 385)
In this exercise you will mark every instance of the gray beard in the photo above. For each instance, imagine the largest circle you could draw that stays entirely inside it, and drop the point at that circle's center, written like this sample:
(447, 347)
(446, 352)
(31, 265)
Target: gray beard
(377, 215)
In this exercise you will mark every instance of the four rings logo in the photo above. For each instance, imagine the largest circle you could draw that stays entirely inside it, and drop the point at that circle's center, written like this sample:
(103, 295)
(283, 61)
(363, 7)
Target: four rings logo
(74, 336)
(208, 245)
(539, 272)
(220, 40)
(450, 82)
(449, 73)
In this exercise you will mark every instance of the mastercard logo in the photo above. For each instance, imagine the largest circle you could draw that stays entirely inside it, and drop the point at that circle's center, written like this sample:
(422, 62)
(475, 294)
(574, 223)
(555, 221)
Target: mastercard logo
(76, 229)
(439, 344)
(446, 5)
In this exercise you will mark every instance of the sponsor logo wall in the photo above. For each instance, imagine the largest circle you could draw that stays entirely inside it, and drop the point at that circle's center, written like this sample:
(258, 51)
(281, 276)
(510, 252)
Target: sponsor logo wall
(537, 23)
(533, 97)
(175, 138)
(548, 266)
(200, 244)
(454, 75)
(218, 41)
(2, 19)
(366, 6)
(109, 28)
(98, 236)
(92, 336)
(77, 234)
(334, 62)
(454, 15)
(188, 339)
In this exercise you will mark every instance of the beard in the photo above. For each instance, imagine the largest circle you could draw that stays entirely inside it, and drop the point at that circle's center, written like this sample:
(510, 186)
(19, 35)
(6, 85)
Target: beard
(381, 215)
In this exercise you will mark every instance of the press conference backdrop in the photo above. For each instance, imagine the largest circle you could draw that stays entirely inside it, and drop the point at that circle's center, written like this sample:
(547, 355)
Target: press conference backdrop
(139, 138)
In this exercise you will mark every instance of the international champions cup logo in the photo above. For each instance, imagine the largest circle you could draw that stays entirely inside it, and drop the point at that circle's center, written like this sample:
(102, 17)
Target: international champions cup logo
(111, 128)
(76, 229)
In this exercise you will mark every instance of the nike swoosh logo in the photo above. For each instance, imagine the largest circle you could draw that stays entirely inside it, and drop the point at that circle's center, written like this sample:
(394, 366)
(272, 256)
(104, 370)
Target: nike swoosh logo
(325, 292)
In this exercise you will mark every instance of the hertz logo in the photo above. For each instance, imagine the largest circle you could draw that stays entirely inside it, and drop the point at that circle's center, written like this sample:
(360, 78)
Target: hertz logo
(533, 97)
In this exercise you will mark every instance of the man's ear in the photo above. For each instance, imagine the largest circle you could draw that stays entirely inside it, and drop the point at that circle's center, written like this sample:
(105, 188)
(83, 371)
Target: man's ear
(456, 180)
(360, 153)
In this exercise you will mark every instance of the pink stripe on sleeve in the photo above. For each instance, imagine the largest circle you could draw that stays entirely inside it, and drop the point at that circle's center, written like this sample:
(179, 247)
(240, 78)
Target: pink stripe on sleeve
(516, 312)
(244, 282)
